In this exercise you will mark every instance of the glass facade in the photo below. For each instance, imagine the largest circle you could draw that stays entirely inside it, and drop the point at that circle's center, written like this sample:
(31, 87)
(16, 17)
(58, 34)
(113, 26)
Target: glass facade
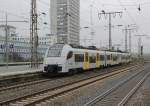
(19, 51)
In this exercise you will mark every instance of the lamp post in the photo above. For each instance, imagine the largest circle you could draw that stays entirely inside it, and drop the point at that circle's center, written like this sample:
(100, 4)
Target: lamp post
(84, 40)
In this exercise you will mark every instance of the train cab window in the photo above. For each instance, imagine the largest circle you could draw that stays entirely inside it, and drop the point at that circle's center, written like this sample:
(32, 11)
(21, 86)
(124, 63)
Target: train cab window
(55, 50)
(70, 54)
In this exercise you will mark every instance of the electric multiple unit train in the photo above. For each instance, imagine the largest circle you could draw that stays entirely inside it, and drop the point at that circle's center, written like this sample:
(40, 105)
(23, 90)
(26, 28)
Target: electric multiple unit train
(64, 58)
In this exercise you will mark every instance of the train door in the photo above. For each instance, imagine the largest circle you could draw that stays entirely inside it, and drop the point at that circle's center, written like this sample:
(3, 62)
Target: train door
(105, 59)
(97, 60)
(110, 59)
(86, 61)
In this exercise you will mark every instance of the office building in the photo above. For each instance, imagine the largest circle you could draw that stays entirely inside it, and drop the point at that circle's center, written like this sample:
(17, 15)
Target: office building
(19, 47)
(65, 20)
(11, 30)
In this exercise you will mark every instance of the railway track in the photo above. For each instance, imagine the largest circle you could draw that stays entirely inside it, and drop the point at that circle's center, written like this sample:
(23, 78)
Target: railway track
(45, 80)
(119, 94)
(11, 80)
(23, 85)
(40, 96)
(133, 91)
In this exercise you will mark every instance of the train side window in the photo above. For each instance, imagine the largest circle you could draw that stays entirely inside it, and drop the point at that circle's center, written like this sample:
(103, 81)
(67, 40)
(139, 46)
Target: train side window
(79, 57)
(92, 59)
(115, 57)
(70, 54)
(102, 57)
(108, 57)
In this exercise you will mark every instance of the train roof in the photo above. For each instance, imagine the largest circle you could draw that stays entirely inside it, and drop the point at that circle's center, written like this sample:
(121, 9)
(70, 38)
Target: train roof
(83, 47)
(89, 47)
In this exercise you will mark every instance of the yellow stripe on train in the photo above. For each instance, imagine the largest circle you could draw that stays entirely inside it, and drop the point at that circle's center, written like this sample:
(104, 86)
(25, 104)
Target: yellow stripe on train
(86, 64)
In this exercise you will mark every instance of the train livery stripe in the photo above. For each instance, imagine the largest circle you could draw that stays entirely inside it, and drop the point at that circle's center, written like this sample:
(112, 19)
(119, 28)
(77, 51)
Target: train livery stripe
(97, 60)
(86, 63)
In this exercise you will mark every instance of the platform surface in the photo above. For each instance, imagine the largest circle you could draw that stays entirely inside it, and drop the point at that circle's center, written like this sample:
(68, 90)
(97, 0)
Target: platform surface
(15, 70)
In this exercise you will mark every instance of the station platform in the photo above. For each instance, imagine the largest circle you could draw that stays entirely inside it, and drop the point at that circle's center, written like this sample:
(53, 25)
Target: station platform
(17, 70)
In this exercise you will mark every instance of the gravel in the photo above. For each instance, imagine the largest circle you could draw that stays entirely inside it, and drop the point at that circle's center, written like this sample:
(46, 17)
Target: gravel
(81, 96)
(142, 95)
(18, 92)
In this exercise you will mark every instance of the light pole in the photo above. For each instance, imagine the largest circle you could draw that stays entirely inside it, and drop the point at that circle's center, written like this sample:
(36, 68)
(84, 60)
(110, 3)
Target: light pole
(6, 40)
(91, 22)
(84, 40)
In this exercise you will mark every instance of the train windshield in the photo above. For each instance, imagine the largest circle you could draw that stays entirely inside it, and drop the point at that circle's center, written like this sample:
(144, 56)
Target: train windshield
(55, 50)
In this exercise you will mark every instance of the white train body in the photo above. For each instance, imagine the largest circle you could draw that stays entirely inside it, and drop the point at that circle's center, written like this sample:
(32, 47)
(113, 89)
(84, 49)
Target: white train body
(63, 58)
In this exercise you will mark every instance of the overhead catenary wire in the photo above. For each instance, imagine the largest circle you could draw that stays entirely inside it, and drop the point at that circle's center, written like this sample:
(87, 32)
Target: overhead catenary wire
(42, 4)
(41, 1)
(128, 5)
(132, 19)
(13, 14)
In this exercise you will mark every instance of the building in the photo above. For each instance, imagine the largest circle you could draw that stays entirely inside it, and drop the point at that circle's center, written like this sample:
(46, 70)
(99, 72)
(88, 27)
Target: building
(49, 39)
(65, 20)
(19, 47)
(11, 31)
(20, 51)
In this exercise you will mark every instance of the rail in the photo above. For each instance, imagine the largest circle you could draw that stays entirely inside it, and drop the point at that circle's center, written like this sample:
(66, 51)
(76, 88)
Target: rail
(50, 93)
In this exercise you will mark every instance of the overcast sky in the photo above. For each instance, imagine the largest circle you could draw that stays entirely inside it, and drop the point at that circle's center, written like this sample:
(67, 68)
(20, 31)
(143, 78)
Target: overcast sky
(20, 9)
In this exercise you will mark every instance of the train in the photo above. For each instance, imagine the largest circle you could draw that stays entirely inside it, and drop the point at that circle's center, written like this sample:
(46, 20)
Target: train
(65, 58)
